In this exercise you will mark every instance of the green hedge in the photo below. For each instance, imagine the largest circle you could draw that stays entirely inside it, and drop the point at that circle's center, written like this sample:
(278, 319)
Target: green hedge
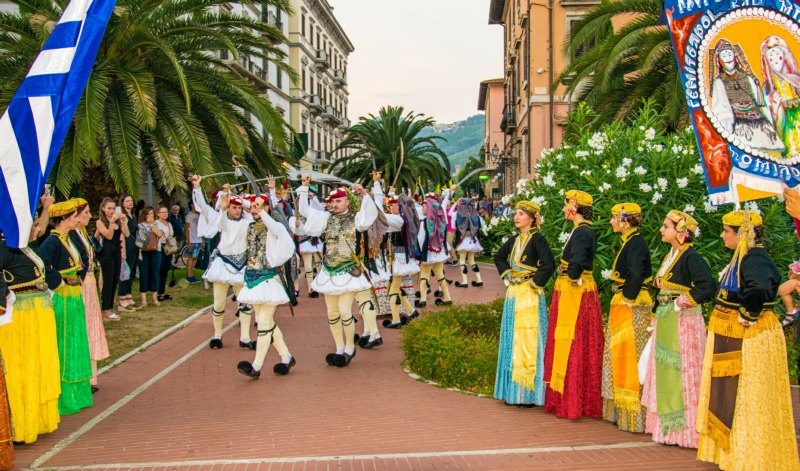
(456, 347)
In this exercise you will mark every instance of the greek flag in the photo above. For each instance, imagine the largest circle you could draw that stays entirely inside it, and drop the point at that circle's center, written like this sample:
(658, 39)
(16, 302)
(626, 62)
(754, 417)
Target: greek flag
(33, 127)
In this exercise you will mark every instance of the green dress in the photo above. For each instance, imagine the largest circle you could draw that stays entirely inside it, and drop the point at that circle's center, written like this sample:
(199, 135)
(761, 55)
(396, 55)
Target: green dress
(60, 254)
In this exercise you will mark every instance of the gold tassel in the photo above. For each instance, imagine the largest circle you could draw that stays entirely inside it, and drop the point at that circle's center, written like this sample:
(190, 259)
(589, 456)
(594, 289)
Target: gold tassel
(627, 399)
(718, 432)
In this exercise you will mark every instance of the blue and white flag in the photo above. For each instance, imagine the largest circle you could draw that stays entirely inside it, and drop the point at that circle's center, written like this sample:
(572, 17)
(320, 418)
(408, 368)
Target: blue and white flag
(33, 127)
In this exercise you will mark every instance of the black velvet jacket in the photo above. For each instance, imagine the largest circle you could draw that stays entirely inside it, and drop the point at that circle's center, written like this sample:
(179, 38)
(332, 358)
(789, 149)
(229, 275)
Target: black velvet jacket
(83, 250)
(578, 254)
(57, 257)
(632, 267)
(689, 274)
(19, 270)
(536, 257)
(758, 285)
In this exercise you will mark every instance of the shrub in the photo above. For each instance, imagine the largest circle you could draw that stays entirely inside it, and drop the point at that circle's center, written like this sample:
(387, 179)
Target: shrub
(456, 347)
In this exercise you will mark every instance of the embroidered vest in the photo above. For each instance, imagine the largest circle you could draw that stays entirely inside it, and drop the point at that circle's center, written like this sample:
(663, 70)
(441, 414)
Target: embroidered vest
(340, 239)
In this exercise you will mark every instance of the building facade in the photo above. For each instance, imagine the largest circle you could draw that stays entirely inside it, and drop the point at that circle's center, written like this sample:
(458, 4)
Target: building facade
(318, 52)
(491, 100)
(534, 111)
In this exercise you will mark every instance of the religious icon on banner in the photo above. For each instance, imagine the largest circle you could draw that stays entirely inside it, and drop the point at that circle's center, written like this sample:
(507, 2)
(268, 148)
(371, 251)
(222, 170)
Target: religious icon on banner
(738, 65)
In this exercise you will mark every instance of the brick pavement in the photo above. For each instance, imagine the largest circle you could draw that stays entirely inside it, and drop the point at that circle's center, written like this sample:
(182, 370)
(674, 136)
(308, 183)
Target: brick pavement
(180, 405)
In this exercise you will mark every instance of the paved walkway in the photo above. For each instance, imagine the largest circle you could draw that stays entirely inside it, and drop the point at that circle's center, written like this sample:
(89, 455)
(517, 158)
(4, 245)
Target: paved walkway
(179, 405)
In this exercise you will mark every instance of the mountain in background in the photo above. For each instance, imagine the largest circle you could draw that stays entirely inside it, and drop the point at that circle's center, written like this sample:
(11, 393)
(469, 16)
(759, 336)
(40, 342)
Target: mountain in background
(464, 139)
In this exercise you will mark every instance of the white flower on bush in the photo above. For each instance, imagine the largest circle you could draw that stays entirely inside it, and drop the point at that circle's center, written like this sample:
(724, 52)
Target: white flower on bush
(627, 162)
(504, 240)
(549, 180)
(662, 183)
(582, 153)
(563, 237)
(640, 170)
(485, 230)
(598, 141)
(641, 128)
(546, 152)
(685, 152)
(656, 197)
(689, 209)
(682, 182)
(506, 199)
(708, 207)
(640, 149)
(606, 186)
(621, 172)
(658, 148)
(606, 274)
(585, 172)
(752, 206)
(646, 187)
(676, 149)
(540, 200)
(650, 134)
(697, 169)
(521, 183)
(559, 156)
(573, 167)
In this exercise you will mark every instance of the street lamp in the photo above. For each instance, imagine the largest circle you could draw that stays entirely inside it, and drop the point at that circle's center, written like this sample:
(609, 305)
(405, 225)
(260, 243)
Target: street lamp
(495, 154)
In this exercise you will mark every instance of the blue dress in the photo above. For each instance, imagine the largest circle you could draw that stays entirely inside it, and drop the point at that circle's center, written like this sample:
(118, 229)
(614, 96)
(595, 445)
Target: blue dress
(505, 388)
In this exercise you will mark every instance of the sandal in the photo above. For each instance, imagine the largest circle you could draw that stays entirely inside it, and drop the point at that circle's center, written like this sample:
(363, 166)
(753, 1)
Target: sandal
(112, 317)
(791, 318)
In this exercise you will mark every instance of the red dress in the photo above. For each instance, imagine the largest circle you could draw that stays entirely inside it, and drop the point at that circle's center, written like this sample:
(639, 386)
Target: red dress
(583, 379)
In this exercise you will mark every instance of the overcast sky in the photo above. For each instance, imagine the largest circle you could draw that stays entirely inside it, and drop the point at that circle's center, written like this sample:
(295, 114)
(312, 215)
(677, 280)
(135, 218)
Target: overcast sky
(426, 55)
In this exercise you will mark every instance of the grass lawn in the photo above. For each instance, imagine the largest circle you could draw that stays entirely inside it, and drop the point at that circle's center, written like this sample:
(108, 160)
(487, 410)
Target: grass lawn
(135, 328)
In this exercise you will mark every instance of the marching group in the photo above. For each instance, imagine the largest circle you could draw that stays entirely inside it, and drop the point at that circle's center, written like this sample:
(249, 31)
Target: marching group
(351, 245)
(655, 367)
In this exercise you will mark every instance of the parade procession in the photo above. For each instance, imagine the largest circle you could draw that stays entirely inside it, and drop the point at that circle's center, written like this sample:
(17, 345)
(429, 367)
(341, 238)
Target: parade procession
(600, 270)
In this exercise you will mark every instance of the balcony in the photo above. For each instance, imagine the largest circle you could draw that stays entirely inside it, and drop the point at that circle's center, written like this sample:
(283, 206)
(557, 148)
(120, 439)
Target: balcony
(509, 122)
(249, 70)
(315, 105)
(331, 115)
(339, 79)
(323, 60)
(344, 125)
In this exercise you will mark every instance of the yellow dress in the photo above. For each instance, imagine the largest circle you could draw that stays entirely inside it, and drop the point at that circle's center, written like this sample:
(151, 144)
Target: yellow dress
(29, 347)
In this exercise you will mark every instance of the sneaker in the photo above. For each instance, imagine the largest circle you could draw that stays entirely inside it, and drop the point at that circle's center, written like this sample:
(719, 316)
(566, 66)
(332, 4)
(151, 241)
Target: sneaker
(192, 280)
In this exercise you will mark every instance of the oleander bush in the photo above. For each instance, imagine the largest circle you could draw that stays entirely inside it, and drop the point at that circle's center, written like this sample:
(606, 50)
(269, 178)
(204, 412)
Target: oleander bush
(456, 347)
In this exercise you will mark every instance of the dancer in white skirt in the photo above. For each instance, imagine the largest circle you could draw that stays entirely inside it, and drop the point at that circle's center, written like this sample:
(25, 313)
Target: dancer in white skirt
(404, 224)
(226, 268)
(468, 225)
(340, 278)
(310, 245)
(434, 252)
(269, 246)
(371, 250)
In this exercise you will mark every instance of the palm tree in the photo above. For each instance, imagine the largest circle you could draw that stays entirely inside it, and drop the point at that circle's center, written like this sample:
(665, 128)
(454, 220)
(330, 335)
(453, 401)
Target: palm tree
(615, 70)
(160, 98)
(380, 137)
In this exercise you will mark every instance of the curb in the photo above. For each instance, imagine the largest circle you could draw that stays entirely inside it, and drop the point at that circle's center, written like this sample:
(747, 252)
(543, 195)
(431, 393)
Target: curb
(419, 378)
(166, 333)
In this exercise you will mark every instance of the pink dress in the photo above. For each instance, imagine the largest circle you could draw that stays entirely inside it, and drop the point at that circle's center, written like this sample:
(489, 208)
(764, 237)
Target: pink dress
(692, 332)
(98, 346)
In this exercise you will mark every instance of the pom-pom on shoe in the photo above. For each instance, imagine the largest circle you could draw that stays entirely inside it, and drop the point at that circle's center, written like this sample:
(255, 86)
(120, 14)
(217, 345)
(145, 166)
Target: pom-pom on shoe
(246, 368)
(283, 369)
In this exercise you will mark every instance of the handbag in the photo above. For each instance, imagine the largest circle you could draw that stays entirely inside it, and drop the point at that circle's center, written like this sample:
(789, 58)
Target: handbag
(171, 246)
(146, 239)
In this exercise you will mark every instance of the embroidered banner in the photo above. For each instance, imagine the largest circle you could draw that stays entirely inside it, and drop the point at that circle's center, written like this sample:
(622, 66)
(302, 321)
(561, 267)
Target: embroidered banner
(738, 62)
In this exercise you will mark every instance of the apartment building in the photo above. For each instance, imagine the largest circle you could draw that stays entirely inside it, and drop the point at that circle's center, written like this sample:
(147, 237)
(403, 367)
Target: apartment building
(534, 112)
(491, 100)
(318, 50)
